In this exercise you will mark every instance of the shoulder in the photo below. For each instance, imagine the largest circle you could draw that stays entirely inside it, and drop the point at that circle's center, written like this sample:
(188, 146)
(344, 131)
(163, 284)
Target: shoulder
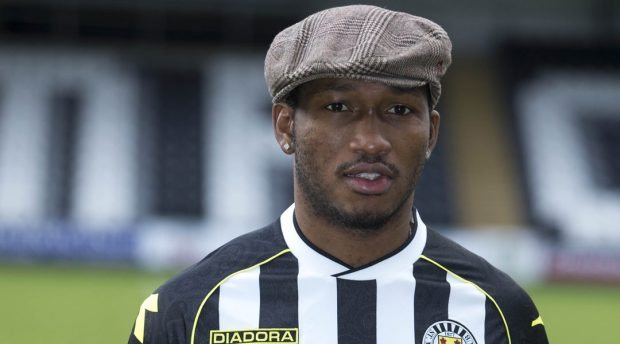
(504, 295)
(238, 254)
(176, 302)
(449, 255)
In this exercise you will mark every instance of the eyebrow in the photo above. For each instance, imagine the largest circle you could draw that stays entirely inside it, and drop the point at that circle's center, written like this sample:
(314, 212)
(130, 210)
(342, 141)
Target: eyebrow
(335, 86)
(344, 87)
(339, 86)
(401, 90)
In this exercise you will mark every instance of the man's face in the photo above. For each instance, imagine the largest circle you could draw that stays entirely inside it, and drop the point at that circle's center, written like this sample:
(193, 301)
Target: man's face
(359, 149)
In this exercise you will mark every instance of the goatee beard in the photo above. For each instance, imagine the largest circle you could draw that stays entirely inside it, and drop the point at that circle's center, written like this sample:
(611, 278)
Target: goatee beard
(364, 222)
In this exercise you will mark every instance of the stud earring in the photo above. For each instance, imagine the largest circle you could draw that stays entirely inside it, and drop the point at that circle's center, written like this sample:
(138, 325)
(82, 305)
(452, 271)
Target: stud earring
(286, 146)
(428, 154)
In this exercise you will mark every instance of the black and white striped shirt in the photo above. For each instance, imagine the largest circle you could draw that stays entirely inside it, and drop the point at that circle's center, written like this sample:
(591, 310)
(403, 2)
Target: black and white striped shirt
(273, 286)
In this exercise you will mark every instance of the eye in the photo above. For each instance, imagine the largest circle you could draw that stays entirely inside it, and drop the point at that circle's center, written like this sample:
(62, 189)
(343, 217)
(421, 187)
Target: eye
(337, 107)
(399, 109)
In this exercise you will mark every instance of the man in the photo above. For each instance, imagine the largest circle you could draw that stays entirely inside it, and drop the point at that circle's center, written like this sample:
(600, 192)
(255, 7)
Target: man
(354, 90)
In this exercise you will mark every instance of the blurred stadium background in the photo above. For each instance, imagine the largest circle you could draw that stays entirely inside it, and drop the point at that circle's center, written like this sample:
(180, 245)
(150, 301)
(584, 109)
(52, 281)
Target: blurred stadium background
(135, 136)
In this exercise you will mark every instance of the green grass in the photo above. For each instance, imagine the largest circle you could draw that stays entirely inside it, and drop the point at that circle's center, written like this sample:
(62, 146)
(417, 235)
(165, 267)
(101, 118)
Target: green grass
(59, 304)
(54, 304)
(578, 313)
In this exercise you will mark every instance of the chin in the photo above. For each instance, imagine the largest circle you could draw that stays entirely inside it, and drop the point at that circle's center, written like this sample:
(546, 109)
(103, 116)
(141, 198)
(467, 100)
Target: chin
(365, 220)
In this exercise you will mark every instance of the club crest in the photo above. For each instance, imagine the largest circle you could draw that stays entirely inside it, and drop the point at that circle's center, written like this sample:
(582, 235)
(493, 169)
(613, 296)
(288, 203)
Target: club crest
(448, 332)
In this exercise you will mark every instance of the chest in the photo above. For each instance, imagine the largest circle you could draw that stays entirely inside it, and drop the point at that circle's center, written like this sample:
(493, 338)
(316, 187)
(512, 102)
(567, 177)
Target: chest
(281, 307)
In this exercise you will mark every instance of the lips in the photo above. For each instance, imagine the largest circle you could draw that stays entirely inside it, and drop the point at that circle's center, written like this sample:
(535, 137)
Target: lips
(369, 178)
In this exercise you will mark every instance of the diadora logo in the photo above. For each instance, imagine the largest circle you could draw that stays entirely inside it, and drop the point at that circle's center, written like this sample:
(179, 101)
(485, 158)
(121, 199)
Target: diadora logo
(257, 336)
(448, 332)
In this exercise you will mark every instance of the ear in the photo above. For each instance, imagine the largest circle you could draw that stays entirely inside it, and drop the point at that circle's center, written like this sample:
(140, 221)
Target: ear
(282, 120)
(435, 120)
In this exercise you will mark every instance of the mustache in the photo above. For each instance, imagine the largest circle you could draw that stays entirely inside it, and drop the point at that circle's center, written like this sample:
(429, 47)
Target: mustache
(367, 159)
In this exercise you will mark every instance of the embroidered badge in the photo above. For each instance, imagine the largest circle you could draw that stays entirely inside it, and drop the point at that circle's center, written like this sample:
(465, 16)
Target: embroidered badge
(448, 332)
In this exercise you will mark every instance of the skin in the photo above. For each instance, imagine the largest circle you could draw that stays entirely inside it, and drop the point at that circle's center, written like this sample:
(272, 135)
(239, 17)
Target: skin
(343, 133)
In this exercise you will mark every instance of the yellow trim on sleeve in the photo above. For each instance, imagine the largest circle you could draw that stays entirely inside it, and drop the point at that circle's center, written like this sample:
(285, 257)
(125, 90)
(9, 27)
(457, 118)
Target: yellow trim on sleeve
(150, 304)
(477, 287)
(538, 321)
(204, 301)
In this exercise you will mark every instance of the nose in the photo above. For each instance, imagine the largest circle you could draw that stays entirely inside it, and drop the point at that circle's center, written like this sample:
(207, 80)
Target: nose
(369, 138)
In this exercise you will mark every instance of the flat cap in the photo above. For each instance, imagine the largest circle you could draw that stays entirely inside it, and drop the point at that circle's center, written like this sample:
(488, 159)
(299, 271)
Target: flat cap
(359, 42)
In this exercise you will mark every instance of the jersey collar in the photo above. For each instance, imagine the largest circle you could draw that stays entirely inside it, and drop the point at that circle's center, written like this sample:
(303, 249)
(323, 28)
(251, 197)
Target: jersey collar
(316, 263)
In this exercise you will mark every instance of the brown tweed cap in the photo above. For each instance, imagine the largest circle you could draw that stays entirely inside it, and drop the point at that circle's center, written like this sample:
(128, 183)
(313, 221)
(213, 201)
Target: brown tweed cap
(359, 42)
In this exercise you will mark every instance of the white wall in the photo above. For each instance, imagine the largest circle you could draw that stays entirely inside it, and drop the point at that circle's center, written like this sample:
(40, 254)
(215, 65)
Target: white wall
(105, 162)
(563, 188)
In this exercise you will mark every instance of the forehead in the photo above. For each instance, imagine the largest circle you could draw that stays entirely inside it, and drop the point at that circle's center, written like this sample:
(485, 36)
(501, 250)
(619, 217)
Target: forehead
(317, 87)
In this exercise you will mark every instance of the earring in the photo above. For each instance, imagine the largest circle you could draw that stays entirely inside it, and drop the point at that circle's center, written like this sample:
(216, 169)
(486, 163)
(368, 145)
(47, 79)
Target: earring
(428, 154)
(286, 146)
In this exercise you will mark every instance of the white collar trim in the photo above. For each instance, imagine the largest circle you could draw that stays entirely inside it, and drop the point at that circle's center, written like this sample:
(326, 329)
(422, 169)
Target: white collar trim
(314, 262)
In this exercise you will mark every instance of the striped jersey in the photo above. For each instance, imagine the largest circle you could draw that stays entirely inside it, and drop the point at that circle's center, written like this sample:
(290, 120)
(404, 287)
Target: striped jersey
(273, 286)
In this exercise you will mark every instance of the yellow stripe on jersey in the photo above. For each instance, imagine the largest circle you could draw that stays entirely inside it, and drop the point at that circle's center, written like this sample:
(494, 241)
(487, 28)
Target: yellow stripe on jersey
(204, 301)
(150, 304)
(477, 287)
(538, 321)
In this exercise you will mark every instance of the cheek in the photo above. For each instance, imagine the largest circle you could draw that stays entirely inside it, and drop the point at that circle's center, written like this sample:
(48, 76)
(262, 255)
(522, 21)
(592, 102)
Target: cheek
(316, 149)
(316, 141)
(412, 140)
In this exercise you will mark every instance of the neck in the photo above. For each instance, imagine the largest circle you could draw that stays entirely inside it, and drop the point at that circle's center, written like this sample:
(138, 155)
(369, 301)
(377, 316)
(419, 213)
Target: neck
(355, 247)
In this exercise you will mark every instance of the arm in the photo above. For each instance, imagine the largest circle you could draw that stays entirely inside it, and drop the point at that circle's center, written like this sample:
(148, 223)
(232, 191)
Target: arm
(158, 322)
